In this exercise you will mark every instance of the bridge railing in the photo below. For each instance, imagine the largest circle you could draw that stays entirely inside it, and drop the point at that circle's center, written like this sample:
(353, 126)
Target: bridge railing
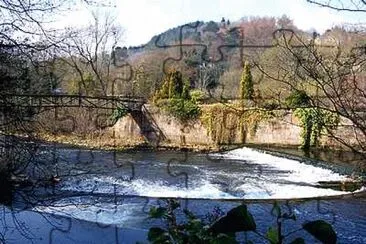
(63, 100)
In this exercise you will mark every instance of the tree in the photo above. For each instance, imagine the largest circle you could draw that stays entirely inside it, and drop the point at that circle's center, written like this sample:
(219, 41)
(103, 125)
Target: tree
(332, 73)
(88, 51)
(246, 83)
(348, 5)
(257, 30)
(284, 22)
(209, 75)
(28, 56)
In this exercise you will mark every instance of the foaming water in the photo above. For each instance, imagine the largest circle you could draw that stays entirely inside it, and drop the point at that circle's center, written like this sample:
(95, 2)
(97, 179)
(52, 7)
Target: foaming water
(237, 174)
(121, 192)
(293, 179)
(297, 171)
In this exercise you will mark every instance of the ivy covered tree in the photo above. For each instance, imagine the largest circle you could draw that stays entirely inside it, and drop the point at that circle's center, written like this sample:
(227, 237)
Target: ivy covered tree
(246, 83)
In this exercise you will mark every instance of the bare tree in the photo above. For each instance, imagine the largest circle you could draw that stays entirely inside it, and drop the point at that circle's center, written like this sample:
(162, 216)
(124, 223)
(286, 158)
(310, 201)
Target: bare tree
(88, 52)
(348, 5)
(332, 74)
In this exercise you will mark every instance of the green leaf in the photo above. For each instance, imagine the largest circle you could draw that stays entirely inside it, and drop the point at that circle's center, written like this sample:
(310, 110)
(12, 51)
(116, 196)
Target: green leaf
(272, 235)
(298, 241)
(157, 213)
(158, 235)
(322, 231)
(236, 220)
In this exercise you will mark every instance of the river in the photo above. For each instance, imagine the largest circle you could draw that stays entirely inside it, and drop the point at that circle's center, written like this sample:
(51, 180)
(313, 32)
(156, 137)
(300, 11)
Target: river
(105, 196)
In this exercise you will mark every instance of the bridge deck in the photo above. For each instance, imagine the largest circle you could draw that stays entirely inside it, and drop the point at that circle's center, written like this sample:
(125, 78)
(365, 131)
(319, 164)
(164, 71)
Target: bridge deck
(62, 100)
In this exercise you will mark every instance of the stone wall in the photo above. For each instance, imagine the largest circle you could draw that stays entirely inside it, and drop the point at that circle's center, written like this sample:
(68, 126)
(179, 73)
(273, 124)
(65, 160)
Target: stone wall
(283, 130)
(172, 130)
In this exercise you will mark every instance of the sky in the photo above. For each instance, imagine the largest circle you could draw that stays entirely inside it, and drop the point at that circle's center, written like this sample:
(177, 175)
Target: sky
(142, 19)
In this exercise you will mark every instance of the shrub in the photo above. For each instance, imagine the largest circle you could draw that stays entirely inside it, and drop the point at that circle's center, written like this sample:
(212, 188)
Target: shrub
(197, 95)
(182, 109)
(118, 113)
(223, 228)
(298, 99)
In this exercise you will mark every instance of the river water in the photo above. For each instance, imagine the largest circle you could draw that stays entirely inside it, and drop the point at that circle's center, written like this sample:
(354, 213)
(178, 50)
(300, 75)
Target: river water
(104, 195)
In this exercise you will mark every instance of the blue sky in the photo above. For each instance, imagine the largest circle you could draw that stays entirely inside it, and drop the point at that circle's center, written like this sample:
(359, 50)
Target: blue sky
(142, 19)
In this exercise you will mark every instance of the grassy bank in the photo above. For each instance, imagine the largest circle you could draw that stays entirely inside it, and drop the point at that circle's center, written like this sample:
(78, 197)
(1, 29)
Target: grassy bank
(105, 142)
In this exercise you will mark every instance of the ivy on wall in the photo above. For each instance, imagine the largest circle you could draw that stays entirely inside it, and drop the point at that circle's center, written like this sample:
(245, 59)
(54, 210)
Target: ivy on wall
(229, 124)
(315, 122)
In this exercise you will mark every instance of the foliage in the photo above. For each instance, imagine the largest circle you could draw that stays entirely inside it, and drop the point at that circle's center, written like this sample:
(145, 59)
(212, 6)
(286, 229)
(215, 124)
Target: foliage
(211, 27)
(118, 113)
(297, 99)
(197, 95)
(224, 228)
(333, 76)
(175, 84)
(182, 109)
(246, 83)
(209, 76)
(174, 97)
(314, 122)
(142, 85)
(172, 86)
(228, 123)
(185, 91)
(271, 105)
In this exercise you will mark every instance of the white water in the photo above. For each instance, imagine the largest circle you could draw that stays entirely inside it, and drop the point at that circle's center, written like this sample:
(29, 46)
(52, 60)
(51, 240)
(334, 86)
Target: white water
(291, 179)
(285, 178)
(296, 178)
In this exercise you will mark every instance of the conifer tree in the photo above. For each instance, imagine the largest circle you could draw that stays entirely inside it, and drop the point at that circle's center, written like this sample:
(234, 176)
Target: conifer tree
(246, 83)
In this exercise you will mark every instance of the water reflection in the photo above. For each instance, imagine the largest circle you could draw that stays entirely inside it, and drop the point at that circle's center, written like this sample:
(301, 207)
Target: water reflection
(130, 224)
(100, 195)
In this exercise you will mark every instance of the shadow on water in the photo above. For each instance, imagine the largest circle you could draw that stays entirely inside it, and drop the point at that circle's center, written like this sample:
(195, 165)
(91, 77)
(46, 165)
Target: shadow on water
(6, 189)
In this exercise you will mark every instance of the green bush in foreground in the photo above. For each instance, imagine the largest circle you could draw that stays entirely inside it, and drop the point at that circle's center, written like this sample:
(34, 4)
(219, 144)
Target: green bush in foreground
(223, 229)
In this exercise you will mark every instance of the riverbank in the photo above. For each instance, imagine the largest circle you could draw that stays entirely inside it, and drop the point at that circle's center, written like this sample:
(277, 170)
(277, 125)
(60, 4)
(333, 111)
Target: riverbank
(347, 159)
(105, 142)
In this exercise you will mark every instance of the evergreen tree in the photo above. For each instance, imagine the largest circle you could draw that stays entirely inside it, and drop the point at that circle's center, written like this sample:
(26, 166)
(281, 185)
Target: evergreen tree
(185, 92)
(246, 83)
(172, 86)
(175, 83)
